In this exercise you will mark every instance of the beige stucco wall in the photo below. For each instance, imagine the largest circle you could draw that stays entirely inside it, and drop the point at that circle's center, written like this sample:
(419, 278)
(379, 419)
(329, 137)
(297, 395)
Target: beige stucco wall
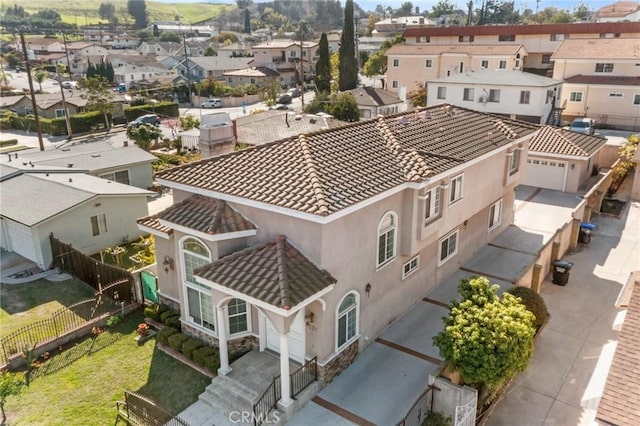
(597, 104)
(563, 69)
(635, 189)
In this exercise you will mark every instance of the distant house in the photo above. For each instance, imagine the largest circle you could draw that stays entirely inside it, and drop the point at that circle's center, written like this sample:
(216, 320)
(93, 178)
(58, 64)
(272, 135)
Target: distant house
(258, 76)
(235, 50)
(211, 67)
(619, 11)
(288, 58)
(129, 165)
(513, 94)
(88, 212)
(561, 159)
(392, 26)
(373, 102)
(161, 48)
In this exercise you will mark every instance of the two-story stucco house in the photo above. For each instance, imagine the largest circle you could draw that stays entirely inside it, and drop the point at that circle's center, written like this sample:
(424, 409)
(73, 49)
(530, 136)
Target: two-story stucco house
(602, 80)
(288, 58)
(312, 245)
(515, 94)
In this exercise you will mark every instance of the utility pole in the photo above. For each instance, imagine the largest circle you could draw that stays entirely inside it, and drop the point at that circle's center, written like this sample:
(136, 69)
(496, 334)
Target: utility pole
(34, 104)
(301, 73)
(64, 105)
(66, 52)
(186, 64)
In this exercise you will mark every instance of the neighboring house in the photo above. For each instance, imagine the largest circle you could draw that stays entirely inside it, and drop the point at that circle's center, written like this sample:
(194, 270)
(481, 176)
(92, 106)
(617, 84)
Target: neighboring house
(182, 28)
(128, 74)
(42, 45)
(235, 50)
(161, 48)
(412, 65)
(540, 40)
(273, 125)
(602, 80)
(561, 159)
(124, 42)
(373, 102)
(88, 212)
(515, 94)
(620, 11)
(286, 57)
(313, 245)
(50, 104)
(366, 44)
(392, 26)
(81, 49)
(211, 67)
(260, 76)
(129, 165)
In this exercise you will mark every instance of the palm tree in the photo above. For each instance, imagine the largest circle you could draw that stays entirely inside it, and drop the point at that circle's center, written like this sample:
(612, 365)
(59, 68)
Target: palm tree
(39, 75)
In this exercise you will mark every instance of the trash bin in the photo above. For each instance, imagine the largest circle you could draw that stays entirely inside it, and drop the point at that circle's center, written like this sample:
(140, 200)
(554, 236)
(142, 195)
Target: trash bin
(584, 237)
(588, 225)
(561, 270)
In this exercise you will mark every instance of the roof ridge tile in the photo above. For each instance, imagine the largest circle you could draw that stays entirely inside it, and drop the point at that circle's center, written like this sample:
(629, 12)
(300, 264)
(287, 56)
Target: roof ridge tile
(316, 184)
(285, 291)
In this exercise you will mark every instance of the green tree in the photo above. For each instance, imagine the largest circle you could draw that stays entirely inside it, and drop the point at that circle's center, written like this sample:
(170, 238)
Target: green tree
(371, 22)
(269, 93)
(348, 66)
(188, 122)
(344, 107)
(210, 51)
(406, 9)
(418, 97)
(11, 384)
(376, 64)
(581, 12)
(107, 11)
(626, 153)
(144, 35)
(39, 75)
(97, 91)
(487, 339)
(144, 134)
(323, 66)
(247, 22)
(170, 36)
(443, 7)
(138, 11)
(5, 76)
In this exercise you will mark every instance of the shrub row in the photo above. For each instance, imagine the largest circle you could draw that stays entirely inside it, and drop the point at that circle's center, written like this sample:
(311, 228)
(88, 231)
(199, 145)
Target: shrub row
(162, 313)
(192, 348)
(80, 123)
(163, 109)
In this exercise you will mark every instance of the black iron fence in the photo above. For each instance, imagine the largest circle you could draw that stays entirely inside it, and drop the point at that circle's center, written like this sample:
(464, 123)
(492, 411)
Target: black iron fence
(304, 376)
(140, 410)
(268, 401)
(419, 409)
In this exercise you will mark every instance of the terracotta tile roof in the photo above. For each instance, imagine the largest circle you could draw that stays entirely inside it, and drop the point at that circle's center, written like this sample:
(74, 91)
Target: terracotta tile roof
(553, 140)
(618, 9)
(152, 222)
(274, 272)
(207, 215)
(583, 28)
(600, 48)
(326, 171)
(603, 79)
(620, 402)
(463, 49)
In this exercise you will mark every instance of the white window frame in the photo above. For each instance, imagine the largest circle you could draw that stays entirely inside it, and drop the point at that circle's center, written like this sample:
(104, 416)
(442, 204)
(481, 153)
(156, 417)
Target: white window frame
(525, 97)
(494, 95)
(441, 92)
(98, 224)
(432, 204)
(495, 214)
(396, 63)
(455, 234)
(514, 161)
(204, 292)
(636, 99)
(576, 97)
(468, 94)
(119, 176)
(546, 59)
(484, 64)
(604, 67)
(61, 113)
(352, 311)
(502, 64)
(394, 84)
(428, 63)
(386, 231)
(410, 266)
(455, 189)
(247, 315)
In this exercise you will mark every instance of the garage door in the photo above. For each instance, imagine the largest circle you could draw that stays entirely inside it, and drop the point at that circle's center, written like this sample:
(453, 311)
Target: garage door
(296, 338)
(21, 240)
(545, 173)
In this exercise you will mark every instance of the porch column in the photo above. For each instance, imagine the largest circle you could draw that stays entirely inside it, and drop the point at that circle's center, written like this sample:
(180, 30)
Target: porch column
(222, 341)
(285, 379)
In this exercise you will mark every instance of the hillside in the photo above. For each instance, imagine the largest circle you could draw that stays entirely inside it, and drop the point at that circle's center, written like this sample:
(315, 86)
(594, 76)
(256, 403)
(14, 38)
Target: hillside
(83, 12)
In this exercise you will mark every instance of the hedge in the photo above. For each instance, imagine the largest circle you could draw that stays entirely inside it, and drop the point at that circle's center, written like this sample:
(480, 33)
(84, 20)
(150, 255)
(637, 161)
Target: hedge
(176, 340)
(534, 304)
(166, 314)
(189, 346)
(201, 353)
(163, 109)
(165, 333)
(8, 142)
(86, 121)
(154, 311)
(173, 321)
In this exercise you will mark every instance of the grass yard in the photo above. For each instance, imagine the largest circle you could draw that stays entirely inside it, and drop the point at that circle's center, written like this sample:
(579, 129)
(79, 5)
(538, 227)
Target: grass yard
(81, 384)
(24, 304)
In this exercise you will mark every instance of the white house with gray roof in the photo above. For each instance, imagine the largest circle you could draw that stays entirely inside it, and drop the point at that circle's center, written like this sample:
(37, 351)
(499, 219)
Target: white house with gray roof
(88, 212)
(513, 94)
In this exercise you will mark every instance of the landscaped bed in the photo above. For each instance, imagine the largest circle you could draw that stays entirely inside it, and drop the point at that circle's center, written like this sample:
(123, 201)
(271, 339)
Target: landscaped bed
(81, 384)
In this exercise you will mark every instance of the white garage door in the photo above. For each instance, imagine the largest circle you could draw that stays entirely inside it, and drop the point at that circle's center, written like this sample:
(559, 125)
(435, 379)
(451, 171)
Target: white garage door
(21, 240)
(296, 338)
(545, 173)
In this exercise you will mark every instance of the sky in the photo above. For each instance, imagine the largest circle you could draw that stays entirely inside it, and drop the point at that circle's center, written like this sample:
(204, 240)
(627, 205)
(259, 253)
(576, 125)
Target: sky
(427, 5)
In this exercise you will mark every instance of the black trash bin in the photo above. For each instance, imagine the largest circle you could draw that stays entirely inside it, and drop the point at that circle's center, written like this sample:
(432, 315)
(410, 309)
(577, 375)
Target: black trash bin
(561, 270)
(584, 237)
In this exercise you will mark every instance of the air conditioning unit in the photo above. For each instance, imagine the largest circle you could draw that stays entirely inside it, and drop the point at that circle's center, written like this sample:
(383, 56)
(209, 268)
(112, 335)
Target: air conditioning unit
(482, 99)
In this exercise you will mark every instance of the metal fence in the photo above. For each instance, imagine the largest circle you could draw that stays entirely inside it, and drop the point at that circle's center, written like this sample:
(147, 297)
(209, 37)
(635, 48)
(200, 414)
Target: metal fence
(419, 409)
(304, 376)
(140, 410)
(268, 401)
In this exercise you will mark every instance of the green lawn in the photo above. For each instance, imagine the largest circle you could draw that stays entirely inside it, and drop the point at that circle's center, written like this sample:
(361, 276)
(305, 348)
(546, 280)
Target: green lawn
(81, 384)
(24, 304)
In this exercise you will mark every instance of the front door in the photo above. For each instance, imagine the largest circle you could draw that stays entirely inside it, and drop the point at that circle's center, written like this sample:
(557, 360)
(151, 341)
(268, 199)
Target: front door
(296, 338)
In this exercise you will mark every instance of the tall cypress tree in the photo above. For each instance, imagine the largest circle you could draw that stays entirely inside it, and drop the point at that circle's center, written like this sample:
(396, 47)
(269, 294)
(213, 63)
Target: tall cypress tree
(247, 22)
(348, 67)
(138, 10)
(323, 66)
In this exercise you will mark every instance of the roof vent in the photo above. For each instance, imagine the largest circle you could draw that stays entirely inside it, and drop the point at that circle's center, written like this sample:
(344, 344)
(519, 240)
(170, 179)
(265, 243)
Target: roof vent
(95, 155)
(403, 120)
(70, 165)
(312, 120)
(70, 180)
(298, 117)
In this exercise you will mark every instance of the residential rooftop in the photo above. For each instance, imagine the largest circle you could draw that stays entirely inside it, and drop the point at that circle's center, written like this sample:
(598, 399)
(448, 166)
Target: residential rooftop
(466, 49)
(553, 140)
(500, 78)
(600, 48)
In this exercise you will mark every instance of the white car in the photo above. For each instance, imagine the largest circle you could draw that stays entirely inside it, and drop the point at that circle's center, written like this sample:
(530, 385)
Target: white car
(212, 103)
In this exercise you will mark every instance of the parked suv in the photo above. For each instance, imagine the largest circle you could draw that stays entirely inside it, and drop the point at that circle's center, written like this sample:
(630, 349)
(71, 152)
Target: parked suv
(284, 99)
(294, 93)
(145, 119)
(583, 125)
(212, 103)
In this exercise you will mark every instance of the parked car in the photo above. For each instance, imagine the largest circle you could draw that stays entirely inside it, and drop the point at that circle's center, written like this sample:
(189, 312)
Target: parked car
(285, 99)
(145, 119)
(69, 84)
(583, 125)
(212, 103)
(294, 93)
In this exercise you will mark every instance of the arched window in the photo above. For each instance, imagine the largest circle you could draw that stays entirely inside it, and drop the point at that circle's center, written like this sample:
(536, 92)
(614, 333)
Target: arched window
(387, 238)
(347, 320)
(238, 316)
(199, 306)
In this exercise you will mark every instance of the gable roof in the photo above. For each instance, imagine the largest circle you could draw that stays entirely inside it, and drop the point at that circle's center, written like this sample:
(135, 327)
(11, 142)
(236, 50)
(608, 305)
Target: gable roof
(206, 215)
(219, 62)
(499, 78)
(327, 171)
(274, 272)
(371, 96)
(466, 49)
(600, 48)
(612, 80)
(618, 9)
(30, 198)
(253, 72)
(620, 401)
(553, 140)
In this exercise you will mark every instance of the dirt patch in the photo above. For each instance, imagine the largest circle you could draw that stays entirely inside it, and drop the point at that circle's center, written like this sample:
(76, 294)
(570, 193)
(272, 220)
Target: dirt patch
(612, 207)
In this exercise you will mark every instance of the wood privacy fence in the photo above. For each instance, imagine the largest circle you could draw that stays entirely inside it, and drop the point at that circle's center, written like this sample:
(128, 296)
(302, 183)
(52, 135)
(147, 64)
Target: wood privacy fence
(93, 272)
